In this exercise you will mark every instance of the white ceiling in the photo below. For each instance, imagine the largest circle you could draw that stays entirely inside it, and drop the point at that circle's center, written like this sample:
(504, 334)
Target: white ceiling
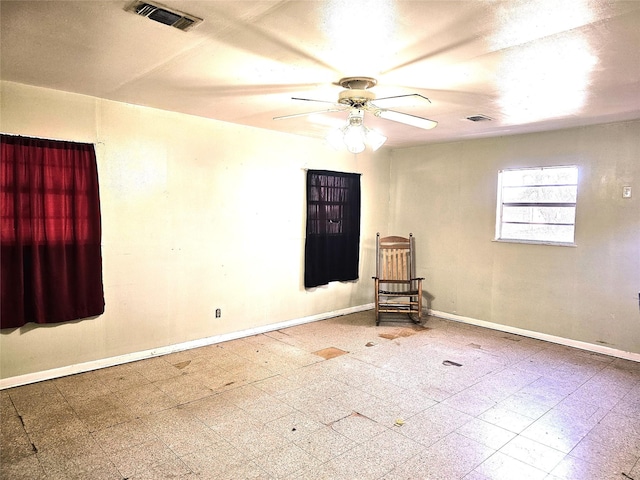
(530, 65)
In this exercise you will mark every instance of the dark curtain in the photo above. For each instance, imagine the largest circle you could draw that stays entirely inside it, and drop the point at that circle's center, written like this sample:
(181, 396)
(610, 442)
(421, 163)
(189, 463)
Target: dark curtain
(332, 249)
(50, 232)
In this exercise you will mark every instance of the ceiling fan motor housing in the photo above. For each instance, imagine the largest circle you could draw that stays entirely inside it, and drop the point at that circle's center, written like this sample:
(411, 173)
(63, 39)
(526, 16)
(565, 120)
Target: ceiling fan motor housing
(358, 83)
(355, 98)
(356, 94)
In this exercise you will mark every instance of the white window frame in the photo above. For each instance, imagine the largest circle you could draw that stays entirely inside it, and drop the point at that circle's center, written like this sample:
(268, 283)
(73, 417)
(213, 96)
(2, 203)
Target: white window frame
(539, 189)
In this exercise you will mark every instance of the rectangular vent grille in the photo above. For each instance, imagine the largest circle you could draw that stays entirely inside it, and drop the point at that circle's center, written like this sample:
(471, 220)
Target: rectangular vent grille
(479, 118)
(160, 13)
(183, 23)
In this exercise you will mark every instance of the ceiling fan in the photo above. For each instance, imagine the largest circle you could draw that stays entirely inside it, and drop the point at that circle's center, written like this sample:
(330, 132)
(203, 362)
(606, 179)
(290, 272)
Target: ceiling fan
(357, 98)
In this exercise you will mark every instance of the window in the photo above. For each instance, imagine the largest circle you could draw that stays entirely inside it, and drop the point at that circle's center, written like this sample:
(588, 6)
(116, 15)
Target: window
(50, 232)
(537, 205)
(333, 227)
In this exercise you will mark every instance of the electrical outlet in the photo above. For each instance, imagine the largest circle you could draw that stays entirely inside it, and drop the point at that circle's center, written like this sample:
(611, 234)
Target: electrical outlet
(218, 313)
(626, 192)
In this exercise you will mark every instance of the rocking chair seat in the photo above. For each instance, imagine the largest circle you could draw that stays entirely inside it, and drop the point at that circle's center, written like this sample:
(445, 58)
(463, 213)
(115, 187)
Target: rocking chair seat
(402, 293)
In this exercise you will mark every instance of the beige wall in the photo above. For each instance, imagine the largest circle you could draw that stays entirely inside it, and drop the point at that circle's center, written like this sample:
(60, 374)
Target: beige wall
(199, 214)
(446, 195)
(196, 215)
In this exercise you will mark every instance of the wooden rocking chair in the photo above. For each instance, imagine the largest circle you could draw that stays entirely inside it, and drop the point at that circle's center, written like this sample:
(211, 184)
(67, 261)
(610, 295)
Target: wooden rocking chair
(397, 289)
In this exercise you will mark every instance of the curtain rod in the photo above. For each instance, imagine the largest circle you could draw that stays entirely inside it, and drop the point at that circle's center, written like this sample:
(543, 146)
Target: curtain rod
(325, 170)
(49, 138)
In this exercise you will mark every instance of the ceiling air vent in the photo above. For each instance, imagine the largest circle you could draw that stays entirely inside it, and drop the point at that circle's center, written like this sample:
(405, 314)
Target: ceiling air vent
(479, 118)
(159, 13)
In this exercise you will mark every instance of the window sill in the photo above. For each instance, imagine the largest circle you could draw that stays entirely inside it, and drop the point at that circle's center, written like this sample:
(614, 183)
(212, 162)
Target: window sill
(535, 242)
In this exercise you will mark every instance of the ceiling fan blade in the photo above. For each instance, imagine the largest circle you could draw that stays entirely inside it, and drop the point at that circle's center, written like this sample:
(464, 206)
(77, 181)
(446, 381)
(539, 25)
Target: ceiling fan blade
(399, 100)
(406, 118)
(313, 100)
(330, 110)
(452, 96)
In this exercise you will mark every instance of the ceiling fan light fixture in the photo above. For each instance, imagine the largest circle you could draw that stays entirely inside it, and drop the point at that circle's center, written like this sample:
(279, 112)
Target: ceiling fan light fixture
(354, 135)
(375, 139)
(335, 138)
(354, 138)
(356, 99)
(356, 148)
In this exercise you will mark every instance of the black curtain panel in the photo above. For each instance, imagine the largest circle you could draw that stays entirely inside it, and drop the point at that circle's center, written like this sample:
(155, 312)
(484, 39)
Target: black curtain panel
(332, 248)
(50, 232)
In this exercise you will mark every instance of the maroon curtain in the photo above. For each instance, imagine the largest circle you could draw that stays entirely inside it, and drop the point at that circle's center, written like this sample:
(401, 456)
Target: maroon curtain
(50, 232)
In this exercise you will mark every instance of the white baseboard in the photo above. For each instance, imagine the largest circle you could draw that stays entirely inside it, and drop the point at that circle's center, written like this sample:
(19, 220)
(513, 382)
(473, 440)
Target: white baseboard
(202, 342)
(156, 352)
(539, 336)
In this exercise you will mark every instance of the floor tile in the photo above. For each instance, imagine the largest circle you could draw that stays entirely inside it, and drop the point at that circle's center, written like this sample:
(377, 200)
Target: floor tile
(172, 469)
(58, 434)
(144, 399)
(503, 467)
(215, 463)
(287, 460)
(102, 412)
(454, 456)
(268, 409)
(180, 431)
(294, 425)
(257, 441)
(26, 467)
(325, 443)
(605, 454)
(133, 460)
(533, 453)
(558, 430)
(572, 468)
(76, 458)
(507, 419)
(124, 435)
(486, 433)
(357, 427)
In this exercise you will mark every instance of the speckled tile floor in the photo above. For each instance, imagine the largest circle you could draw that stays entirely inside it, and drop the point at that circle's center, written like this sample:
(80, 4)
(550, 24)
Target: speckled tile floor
(336, 399)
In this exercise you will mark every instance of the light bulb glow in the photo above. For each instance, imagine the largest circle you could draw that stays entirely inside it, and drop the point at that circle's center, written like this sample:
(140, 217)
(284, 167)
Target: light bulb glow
(375, 139)
(335, 138)
(354, 135)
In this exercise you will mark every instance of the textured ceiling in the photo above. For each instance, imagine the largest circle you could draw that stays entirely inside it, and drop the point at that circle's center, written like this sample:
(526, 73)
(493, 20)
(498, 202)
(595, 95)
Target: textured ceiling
(530, 65)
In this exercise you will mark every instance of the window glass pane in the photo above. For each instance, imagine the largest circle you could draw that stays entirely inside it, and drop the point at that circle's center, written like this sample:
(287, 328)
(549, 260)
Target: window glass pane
(551, 194)
(540, 176)
(541, 233)
(539, 214)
